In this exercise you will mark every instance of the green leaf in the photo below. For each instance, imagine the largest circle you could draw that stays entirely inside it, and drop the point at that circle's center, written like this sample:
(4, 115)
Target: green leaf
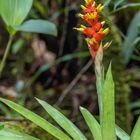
(7, 134)
(108, 108)
(42, 10)
(38, 26)
(66, 124)
(129, 5)
(2, 125)
(136, 132)
(92, 124)
(36, 119)
(135, 104)
(107, 2)
(132, 34)
(118, 3)
(122, 134)
(17, 46)
(14, 12)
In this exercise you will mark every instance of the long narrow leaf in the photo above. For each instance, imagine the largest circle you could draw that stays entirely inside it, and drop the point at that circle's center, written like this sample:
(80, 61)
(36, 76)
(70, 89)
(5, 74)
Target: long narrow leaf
(7, 134)
(66, 124)
(130, 5)
(136, 132)
(132, 33)
(108, 112)
(122, 134)
(92, 124)
(107, 2)
(36, 119)
(118, 3)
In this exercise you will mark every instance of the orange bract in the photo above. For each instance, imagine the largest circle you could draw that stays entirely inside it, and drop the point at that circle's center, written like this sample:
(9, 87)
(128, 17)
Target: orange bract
(94, 32)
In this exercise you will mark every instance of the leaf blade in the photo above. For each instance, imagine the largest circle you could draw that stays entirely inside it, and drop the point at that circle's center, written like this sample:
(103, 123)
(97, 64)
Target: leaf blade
(132, 33)
(108, 108)
(121, 134)
(136, 131)
(38, 26)
(6, 134)
(14, 12)
(36, 119)
(92, 124)
(63, 121)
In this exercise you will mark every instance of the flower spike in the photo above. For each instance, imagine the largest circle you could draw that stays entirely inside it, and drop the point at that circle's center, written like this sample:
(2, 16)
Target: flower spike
(95, 31)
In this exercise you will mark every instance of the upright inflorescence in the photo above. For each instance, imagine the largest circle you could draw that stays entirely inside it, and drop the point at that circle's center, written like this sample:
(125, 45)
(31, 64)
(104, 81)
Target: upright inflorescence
(94, 32)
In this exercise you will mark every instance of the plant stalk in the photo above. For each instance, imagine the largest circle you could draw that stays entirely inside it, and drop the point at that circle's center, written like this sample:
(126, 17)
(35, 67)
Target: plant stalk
(2, 64)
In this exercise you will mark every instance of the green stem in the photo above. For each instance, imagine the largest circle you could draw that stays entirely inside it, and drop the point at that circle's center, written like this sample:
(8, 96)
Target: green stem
(5, 55)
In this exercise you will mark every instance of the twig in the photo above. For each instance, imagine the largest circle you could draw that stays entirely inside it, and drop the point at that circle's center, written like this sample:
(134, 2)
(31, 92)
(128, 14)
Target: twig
(3, 119)
(64, 29)
(73, 83)
(3, 62)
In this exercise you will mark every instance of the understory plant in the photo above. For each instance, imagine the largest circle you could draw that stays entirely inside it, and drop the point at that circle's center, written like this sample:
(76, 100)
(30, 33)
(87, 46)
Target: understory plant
(102, 129)
(14, 13)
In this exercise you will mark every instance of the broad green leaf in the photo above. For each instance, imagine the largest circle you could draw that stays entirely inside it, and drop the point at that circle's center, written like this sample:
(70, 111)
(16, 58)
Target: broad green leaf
(132, 34)
(108, 108)
(92, 124)
(14, 12)
(122, 134)
(7, 134)
(38, 26)
(136, 132)
(36, 119)
(66, 124)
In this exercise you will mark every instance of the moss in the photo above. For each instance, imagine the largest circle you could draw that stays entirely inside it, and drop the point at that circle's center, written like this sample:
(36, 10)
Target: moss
(36, 131)
(122, 88)
(31, 129)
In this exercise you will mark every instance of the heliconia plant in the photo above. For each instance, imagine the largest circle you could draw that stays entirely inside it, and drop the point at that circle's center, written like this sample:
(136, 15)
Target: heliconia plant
(102, 129)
